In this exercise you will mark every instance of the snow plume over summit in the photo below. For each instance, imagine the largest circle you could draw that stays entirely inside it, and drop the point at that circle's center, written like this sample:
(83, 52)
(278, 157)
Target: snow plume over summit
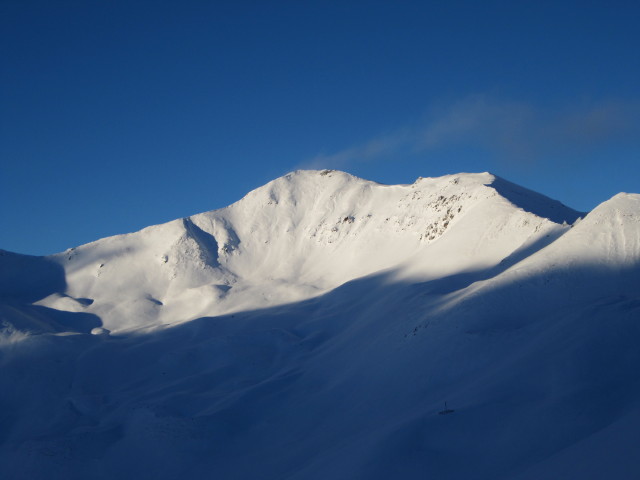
(315, 328)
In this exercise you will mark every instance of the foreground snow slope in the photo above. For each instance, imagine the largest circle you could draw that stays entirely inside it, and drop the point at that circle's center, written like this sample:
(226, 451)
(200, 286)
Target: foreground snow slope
(330, 318)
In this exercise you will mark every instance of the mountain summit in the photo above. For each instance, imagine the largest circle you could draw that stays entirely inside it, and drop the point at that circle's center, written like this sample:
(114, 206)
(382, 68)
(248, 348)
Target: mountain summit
(316, 327)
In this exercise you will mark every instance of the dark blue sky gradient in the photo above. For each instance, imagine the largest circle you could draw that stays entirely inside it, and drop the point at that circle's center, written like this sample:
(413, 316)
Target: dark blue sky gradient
(117, 115)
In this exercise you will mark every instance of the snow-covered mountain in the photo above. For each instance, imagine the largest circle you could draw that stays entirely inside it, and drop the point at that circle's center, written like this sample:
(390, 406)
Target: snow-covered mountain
(298, 237)
(315, 328)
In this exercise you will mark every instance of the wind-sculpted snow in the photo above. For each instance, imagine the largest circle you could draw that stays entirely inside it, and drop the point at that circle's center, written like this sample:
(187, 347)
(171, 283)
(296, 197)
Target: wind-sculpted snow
(314, 330)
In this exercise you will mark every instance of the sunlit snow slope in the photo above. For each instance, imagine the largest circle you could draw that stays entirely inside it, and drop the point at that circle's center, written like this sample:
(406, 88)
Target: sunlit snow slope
(314, 330)
(300, 236)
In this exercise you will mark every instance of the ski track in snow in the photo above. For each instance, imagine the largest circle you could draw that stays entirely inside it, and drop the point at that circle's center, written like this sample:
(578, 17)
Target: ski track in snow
(315, 328)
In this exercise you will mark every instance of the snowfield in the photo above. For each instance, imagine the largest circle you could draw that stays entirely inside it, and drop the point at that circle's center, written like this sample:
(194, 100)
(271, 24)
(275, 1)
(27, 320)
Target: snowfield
(314, 330)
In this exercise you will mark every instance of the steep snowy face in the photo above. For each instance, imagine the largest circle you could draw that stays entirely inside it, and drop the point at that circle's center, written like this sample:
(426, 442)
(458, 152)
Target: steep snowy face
(607, 238)
(324, 228)
(610, 233)
(299, 236)
(569, 271)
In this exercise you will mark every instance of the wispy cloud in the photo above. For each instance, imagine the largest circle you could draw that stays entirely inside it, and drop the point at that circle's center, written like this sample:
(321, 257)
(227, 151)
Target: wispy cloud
(475, 118)
(612, 121)
(375, 148)
(509, 130)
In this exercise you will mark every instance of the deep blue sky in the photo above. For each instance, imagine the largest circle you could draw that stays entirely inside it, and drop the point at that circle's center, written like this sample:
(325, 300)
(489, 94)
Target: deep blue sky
(117, 115)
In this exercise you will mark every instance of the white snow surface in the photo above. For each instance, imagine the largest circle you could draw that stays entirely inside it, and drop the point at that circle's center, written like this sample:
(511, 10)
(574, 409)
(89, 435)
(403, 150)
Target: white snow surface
(297, 237)
(315, 328)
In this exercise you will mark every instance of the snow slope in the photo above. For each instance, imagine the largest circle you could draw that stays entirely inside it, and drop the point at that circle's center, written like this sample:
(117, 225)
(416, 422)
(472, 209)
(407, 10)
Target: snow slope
(314, 330)
(300, 236)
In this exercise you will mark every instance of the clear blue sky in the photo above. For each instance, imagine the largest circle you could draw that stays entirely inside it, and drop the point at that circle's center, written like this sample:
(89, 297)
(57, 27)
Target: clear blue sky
(116, 115)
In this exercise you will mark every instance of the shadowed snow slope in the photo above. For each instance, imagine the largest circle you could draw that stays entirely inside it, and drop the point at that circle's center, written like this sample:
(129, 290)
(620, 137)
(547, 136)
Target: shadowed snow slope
(315, 328)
